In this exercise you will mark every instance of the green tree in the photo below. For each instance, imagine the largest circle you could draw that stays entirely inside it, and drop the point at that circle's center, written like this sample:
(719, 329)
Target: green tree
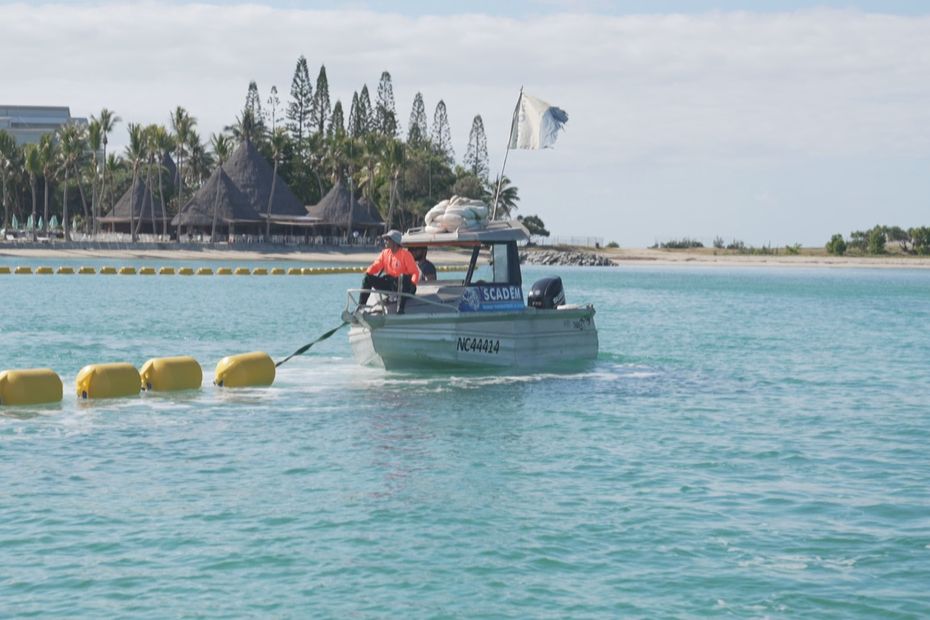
(535, 225)
(417, 131)
(162, 143)
(278, 143)
(441, 136)
(836, 245)
(476, 157)
(183, 125)
(222, 147)
(32, 162)
(320, 110)
(135, 154)
(365, 110)
(920, 239)
(72, 148)
(877, 240)
(8, 156)
(358, 122)
(107, 120)
(298, 110)
(385, 112)
(48, 156)
(253, 104)
(337, 124)
(507, 197)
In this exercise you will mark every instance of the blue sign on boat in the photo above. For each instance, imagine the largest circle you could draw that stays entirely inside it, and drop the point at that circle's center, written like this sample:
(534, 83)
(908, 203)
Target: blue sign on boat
(492, 298)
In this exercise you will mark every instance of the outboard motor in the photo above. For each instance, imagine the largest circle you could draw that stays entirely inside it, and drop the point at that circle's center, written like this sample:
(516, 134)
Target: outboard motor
(547, 294)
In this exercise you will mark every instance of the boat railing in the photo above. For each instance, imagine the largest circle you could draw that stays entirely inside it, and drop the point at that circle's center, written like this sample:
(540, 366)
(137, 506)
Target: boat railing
(384, 298)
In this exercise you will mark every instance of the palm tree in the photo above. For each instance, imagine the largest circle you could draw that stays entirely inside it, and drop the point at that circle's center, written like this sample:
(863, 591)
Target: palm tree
(135, 153)
(94, 142)
(48, 156)
(7, 158)
(71, 143)
(162, 144)
(107, 122)
(32, 163)
(507, 197)
(183, 124)
(222, 145)
(247, 128)
(278, 142)
(394, 161)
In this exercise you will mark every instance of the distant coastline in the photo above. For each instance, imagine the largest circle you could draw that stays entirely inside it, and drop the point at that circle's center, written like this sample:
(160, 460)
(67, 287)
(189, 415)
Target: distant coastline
(812, 258)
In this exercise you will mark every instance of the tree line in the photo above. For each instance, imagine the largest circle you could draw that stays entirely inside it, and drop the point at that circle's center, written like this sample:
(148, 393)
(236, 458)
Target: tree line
(876, 241)
(309, 139)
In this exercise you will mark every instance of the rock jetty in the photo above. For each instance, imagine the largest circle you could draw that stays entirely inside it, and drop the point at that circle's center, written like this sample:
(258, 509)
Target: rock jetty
(552, 256)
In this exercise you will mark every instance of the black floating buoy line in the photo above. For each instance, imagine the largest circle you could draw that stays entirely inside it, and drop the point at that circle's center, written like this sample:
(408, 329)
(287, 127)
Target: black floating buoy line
(306, 347)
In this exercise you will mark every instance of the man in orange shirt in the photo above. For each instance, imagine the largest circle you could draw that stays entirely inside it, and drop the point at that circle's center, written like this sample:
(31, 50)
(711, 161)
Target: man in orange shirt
(396, 262)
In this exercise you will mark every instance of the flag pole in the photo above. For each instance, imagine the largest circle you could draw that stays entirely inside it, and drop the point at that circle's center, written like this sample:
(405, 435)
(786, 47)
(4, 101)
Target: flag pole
(500, 178)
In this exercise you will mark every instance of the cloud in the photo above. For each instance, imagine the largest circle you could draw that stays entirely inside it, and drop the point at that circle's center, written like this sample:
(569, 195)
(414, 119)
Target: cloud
(718, 89)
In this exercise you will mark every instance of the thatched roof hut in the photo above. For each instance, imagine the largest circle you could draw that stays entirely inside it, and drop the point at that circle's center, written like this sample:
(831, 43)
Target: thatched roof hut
(232, 206)
(253, 175)
(333, 209)
(144, 205)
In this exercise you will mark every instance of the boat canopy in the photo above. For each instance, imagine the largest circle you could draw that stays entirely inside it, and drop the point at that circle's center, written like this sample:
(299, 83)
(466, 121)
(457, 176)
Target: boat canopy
(492, 232)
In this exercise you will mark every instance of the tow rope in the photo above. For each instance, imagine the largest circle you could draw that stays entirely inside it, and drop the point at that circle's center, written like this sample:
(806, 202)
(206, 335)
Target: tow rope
(304, 348)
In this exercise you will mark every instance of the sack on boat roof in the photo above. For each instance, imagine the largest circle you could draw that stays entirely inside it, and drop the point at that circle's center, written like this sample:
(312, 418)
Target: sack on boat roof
(455, 213)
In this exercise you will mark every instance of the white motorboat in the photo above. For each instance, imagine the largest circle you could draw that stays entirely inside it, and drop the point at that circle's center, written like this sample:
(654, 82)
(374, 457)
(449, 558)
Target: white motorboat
(481, 320)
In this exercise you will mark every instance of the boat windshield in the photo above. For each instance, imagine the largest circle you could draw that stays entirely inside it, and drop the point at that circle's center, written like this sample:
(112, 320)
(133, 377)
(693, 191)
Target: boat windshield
(503, 266)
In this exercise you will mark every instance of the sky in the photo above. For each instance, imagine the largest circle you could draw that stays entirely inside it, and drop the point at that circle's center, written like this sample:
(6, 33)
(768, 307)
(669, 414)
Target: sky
(766, 122)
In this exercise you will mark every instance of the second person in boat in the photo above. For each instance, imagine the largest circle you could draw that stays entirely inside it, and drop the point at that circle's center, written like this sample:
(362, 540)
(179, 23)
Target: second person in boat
(396, 263)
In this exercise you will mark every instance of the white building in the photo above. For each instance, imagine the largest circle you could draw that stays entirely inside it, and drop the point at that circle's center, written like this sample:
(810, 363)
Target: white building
(27, 123)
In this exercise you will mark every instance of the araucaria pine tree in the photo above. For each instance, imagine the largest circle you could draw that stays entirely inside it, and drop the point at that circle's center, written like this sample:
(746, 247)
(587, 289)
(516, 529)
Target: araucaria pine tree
(298, 109)
(337, 125)
(253, 105)
(476, 157)
(364, 109)
(385, 113)
(357, 125)
(417, 132)
(441, 136)
(320, 109)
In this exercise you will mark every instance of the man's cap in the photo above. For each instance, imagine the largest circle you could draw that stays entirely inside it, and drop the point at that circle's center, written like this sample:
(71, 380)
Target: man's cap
(393, 235)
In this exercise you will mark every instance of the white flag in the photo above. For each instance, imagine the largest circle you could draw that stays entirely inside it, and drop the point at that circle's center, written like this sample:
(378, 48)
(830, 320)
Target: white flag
(537, 125)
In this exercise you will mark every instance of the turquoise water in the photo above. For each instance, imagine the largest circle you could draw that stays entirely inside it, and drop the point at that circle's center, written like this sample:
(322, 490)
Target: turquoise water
(750, 443)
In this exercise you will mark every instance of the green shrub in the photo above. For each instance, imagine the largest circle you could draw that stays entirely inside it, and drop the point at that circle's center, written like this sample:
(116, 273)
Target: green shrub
(613, 244)
(836, 245)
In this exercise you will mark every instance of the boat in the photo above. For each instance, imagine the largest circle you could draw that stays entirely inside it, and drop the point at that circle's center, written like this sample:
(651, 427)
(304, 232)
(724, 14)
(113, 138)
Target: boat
(480, 320)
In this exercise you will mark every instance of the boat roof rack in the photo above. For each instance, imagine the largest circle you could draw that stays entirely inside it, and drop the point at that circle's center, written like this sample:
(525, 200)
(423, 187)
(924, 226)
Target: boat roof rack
(492, 232)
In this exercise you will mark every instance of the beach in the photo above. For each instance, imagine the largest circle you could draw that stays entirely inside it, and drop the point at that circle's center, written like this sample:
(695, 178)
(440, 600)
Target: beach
(361, 255)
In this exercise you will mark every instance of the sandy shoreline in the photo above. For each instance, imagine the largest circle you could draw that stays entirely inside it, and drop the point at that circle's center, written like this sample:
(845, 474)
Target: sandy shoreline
(338, 254)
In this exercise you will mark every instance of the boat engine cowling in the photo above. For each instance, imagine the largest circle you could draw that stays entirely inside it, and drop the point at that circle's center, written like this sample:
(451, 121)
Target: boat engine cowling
(547, 294)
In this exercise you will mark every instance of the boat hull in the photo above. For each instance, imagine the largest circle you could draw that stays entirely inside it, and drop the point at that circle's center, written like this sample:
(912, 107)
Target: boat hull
(528, 338)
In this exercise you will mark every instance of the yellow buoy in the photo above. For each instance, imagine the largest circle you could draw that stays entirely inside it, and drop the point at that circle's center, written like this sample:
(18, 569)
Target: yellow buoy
(167, 374)
(259, 271)
(185, 271)
(66, 270)
(127, 271)
(107, 271)
(224, 271)
(22, 269)
(45, 270)
(147, 271)
(32, 386)
(245, 370)
(166, 271)
(108, 381)
(308, 271)
(294, 271)
(278, 271)
(204, 271)
(242, 271)
(4, 269)
(86, 270)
